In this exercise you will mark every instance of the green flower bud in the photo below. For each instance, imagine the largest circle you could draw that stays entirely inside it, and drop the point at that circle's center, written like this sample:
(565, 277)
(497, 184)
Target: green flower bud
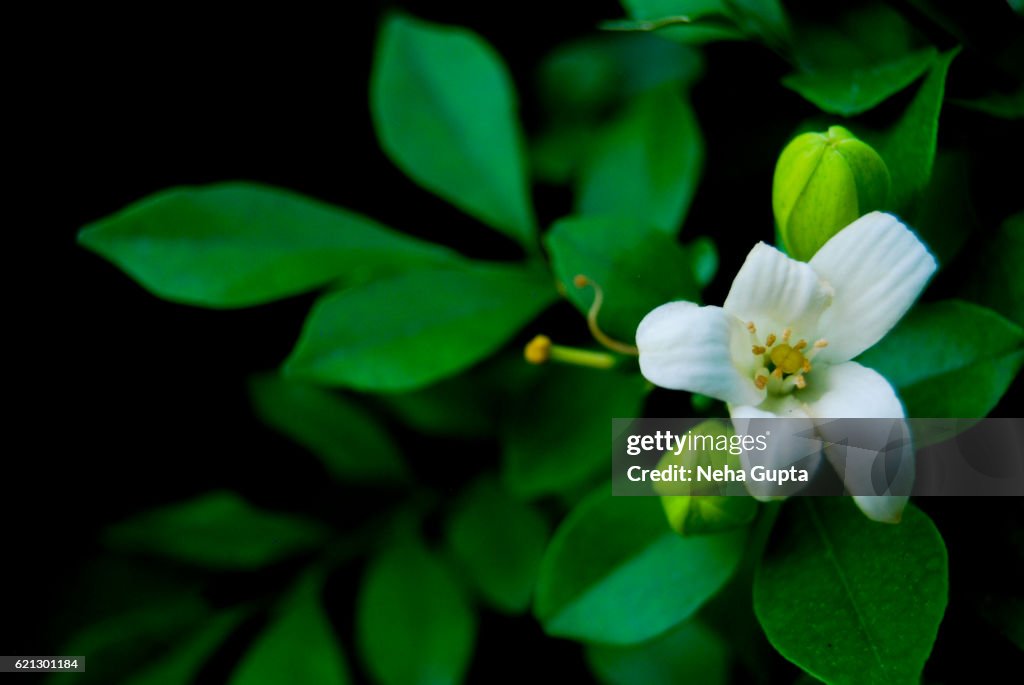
(823, 182)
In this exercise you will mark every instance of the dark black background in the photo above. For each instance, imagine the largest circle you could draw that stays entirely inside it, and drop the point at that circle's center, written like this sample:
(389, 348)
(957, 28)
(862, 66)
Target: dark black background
(121, 401)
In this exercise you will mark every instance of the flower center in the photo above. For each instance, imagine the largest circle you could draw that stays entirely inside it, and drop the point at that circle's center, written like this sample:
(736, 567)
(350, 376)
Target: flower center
(790, 361)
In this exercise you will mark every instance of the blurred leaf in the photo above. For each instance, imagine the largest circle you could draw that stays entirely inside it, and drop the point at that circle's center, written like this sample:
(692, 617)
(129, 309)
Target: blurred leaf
(242, 244)
(182, 663)
(557, 154)
(856, 90)
(444, 107)
(837, 39)
(499, 541)
(908, 147)
(764, 18)
(127, 641)
(997, 280)
(348, 440)
(689, 653)
(614, 573)
(467, 405)
(710, 19)
(583, 78)
(705, 260)
(555, 435)
(412, 621)
(1001, 105)
(298, 646)
(646, 164)
(945, 216)
(949, 359)
(219, 530)
(637, 266)
(406, 332)
(850, 600)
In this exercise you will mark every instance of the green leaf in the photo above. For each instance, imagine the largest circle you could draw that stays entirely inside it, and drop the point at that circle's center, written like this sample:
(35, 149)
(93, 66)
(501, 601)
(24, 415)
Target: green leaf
(646, 164)
(127, 641)
(710, 20)
(689, 653)
(945, 217)
(764, 18)
(444, 108)
(406, 332)
(705, 260)
(555, 434)
(850, 600)
(182, 663)
(996, 280)
(851, 91)
(348, 440)
(298, 646)
(1000, 105)
(637, 266)
(908, 147)
(949, 359)
(242, 244)
(499, 541)
(218, 530)
(614, 573)
(413, 624)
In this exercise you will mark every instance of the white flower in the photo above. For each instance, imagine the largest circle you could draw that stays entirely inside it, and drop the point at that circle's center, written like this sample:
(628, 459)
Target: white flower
(781, 344)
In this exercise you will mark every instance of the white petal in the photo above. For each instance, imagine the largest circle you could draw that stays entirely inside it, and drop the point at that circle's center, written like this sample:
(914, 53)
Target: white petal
(850, 391)
(776, 292)
(882, 508)
(877, 268)
(687, 347)
(868, 441)
(791, 441)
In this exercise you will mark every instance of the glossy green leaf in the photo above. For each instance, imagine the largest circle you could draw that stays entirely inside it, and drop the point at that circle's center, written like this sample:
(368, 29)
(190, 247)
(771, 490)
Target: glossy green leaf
(949, 359)
(852, 91)
(298, 646)
(413, 623)
(242, 244)
(690, 653)
(349, 441)
(182, 663)
(908, 147)
(637, 266)
(647, 163)
(555, 435)
(406, 332)
(996, 277)
(710, 20)
(615, 573)
(499, 541)
(850, 600)
(444, 108)
(218, 529)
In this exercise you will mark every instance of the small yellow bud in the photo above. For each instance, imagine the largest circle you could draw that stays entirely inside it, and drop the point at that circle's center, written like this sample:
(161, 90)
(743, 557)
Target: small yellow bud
(538, 350)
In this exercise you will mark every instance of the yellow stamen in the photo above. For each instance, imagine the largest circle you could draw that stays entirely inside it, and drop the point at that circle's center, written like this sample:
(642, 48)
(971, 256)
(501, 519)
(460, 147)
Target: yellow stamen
(751, 327)
(760, 382)
(540, 350)
(799, 382)
(758, 350)
(800, 345)
(786, 335)
(807, 365)
(600, 336)
(821, 343)
(771, 340)
(777, 372)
